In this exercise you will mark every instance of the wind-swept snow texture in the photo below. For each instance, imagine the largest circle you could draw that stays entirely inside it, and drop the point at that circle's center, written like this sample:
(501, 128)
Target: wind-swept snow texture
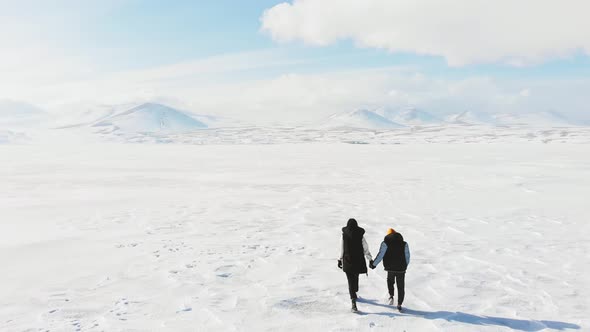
(152, 117)
(245, 238)
(10, 137)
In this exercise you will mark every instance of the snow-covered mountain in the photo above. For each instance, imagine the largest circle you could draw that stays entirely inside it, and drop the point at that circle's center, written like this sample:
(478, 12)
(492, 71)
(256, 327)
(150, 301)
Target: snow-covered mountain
(20, 115)
(472, 118)
(152, 117)
(360, 119)
(214, 121)
(409, 116)
(537, 119)
(81, 116)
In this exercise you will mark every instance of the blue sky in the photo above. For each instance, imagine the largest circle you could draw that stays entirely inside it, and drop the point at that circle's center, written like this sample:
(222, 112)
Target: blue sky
(150, 32)
(69, 51)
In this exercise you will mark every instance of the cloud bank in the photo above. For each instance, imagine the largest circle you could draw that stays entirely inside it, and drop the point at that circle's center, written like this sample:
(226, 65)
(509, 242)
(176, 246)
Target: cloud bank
(516, 32)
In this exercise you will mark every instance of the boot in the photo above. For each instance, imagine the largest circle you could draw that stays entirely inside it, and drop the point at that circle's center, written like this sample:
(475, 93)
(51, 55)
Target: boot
(354, 309)
(390, 302)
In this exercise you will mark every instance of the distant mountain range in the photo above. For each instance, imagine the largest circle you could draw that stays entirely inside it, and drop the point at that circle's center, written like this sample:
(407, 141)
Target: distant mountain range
(152, 117)
(159, 118)
(409, 116)
(143, 118)
(18, 115)
(471, 118)
(383, 118)
(540, 119)
(360, 119)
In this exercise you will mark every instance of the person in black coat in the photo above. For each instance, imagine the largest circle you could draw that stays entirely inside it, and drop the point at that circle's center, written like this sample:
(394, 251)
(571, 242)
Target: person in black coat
(395, 253)
(354, 250)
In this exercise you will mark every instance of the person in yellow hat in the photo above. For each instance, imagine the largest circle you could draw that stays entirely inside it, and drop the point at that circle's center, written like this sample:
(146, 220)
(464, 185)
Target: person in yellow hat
(395, 253)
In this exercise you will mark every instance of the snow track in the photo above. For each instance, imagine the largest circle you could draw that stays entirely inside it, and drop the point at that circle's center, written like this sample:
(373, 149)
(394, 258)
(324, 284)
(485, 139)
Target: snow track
(245, 238)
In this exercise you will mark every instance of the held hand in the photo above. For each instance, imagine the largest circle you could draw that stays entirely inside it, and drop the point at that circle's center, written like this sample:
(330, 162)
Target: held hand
(371, 265)
(340, 264)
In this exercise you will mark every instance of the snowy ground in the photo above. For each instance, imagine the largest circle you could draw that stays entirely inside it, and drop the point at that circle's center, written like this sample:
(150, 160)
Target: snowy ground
(411, 135)
(130, 237)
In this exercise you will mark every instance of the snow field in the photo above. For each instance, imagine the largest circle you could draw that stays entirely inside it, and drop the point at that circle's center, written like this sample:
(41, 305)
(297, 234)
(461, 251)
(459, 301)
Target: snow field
(129, 237)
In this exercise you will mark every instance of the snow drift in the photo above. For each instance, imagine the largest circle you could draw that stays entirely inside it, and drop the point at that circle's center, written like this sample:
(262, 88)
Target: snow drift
(10, 137)
(245, 238)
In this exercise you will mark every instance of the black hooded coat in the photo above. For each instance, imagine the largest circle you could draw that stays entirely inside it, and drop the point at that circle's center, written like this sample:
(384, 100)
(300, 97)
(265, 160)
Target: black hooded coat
(353, 259)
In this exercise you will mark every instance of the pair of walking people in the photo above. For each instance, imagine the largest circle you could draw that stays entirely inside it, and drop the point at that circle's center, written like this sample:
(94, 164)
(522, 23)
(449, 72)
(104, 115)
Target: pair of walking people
(394, 252)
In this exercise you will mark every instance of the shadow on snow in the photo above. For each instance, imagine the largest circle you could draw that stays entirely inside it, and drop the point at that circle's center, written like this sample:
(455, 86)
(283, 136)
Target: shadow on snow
(461, 317)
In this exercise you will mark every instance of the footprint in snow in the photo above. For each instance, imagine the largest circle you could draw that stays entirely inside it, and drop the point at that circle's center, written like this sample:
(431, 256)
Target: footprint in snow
(224, 271)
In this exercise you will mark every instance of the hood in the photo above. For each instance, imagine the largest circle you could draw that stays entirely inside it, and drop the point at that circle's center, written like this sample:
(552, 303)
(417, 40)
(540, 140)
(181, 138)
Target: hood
(352, 223)
(395, 237)
(352, 228)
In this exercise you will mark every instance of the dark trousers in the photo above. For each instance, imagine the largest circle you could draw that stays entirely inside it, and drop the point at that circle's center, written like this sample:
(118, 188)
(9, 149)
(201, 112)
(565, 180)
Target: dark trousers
(353, 284)
(391, 279)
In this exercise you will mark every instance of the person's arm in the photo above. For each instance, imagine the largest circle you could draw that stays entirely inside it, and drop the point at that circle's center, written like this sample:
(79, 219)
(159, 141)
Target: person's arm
(381, 253)
(407, 252)
(341, 253)
(366, 250)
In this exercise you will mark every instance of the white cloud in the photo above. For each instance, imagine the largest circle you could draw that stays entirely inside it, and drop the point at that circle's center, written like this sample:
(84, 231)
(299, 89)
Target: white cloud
(294, 98)
(54, 79)
(516, 32)
(38, 43)
(37, 68)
